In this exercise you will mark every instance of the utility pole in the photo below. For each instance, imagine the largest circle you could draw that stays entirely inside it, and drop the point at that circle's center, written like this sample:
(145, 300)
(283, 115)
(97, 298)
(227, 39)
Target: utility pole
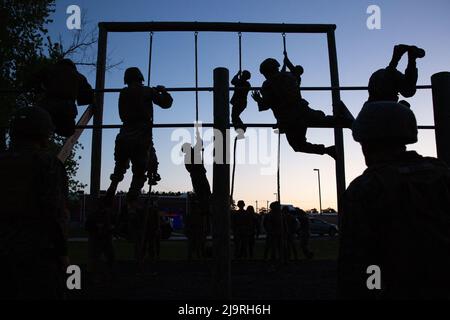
(320, 192)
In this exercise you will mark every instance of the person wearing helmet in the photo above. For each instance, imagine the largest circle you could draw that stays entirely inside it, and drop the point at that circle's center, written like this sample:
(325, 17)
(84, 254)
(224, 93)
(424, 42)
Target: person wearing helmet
(134, 142)
(396, 214)
(281, 93)
(193, 163)
(385, 84)
(239, 99)
(33, 193)
(64, 87)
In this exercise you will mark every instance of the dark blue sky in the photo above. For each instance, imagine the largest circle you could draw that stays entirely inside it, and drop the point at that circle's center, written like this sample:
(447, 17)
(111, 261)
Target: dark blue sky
(360, 52)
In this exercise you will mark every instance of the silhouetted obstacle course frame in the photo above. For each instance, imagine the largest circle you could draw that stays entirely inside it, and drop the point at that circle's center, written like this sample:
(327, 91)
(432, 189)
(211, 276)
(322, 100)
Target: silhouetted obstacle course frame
(221, 173)
(221, 89)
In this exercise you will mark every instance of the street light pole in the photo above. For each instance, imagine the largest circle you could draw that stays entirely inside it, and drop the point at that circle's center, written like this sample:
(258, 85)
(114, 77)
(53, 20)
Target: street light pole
(320, 192)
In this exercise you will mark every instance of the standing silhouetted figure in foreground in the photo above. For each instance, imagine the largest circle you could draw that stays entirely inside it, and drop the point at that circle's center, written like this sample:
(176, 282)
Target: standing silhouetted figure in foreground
(33, 193)
(64, 87)
(281, 93)
(385, 84)
(304, 233)
(396, 214)
(135, 140)
(239, 98)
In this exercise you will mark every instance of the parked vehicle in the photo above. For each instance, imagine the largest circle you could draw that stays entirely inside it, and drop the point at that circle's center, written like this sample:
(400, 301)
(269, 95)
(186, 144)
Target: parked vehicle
(320, 227)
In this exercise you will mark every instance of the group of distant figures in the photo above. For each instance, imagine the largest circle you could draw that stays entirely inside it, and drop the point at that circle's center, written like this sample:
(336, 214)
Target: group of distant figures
(281, 227)
(395, 215)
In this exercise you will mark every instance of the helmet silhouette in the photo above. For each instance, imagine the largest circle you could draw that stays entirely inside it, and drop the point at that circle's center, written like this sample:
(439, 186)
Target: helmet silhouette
(385, 121)
(133, 74)
(31, 122)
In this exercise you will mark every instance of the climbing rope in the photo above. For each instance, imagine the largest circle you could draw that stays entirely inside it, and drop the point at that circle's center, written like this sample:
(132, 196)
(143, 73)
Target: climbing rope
(234, 169)
(240, 51)
(236, 138)
(278, 168)
(150, 59)
(141, 243)
(196, 76)
(284, 42)
(196, 87)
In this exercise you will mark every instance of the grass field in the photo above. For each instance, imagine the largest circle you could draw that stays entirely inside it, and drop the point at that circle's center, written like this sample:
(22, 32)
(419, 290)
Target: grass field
(324, 249)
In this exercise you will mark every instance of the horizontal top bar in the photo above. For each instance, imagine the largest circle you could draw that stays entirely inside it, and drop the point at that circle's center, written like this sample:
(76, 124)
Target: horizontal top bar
(181, 89)
(215, 27)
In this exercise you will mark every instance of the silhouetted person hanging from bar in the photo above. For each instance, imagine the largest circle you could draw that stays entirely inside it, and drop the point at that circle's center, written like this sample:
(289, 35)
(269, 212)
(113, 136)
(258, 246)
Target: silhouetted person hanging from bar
(64, 87)
(194, 165)
(239, 99)
(395, 215)
(385, 84)
(135, 140)
(281, 93)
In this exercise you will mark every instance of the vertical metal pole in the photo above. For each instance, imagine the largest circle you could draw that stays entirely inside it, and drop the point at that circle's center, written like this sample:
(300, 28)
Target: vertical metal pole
(96, 153)
(221, 186)
(338, 132)
(440, 83)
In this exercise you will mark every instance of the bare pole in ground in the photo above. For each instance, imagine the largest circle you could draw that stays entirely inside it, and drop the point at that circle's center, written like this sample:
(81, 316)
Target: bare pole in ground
(221, 187)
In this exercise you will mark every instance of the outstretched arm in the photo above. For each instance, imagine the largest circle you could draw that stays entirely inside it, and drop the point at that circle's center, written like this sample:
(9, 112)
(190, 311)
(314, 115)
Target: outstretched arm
(288, 63)
(161, 97)
(235, 79)
(198, 140)
(262, 105)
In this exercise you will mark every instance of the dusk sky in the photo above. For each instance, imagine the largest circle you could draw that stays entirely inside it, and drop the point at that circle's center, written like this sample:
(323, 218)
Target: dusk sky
(360, 52)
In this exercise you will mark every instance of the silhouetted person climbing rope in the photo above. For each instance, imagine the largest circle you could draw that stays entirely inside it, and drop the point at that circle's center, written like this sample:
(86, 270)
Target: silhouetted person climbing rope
(385, 84)
(239, 98)
(135, 140)
(193, 163)
(281, 93)
(64, 87)
(396, 214)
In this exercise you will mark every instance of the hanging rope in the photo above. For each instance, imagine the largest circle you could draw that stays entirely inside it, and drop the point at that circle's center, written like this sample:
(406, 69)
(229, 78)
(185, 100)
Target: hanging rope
(150, 59)
(196, 76)
(236, 138)
(240, 51)
(196, 88)
(284, 42)
(278, 168)
(148, 205)
(234, 168)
